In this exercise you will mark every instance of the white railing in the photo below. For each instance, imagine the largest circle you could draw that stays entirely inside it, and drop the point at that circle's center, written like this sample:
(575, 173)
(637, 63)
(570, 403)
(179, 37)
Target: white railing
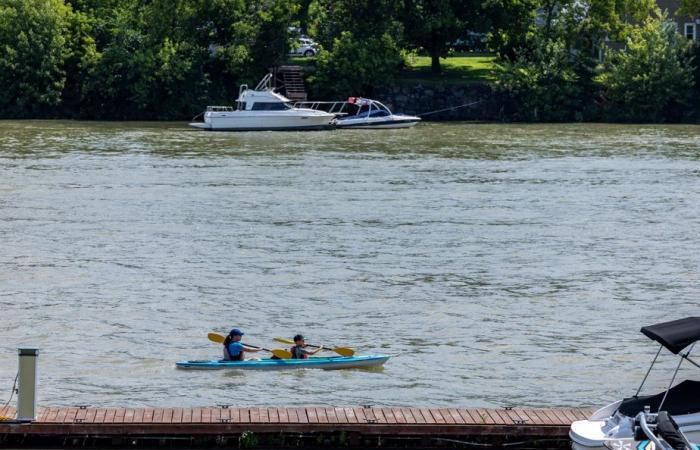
(337, 108)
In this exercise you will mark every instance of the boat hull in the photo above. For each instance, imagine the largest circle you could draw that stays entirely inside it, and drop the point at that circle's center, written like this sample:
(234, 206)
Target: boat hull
(330, 363)
(379, 123)
(289, 120)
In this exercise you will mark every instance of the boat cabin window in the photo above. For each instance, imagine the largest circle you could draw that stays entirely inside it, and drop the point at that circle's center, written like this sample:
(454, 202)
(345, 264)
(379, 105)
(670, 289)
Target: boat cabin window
(270, 106)
(219, 108)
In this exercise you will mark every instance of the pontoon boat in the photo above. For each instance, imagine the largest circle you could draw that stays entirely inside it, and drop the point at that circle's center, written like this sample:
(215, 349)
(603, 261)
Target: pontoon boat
(262, 109)
(616, 421)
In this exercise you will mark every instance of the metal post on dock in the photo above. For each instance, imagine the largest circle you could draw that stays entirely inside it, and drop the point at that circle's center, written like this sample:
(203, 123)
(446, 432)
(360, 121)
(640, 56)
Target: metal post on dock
(26, 392)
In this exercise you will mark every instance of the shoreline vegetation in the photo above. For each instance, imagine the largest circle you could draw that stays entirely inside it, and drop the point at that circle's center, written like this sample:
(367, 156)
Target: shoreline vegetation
(531, 60)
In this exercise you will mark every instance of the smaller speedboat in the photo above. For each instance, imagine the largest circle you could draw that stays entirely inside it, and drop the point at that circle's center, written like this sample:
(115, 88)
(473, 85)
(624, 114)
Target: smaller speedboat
(373, 114)
(326, 363)
(617, 420)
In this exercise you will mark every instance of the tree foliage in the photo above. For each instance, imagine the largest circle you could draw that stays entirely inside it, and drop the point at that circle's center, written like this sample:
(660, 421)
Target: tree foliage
(543, 84)
(650, 76)
(360, 45)
(166, 59)
(433, 24)
(354, 66)
(43, 47)
(131, 59)
(690, 7)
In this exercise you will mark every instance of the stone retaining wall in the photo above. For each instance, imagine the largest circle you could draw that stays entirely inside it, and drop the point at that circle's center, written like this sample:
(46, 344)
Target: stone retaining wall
(421, 99)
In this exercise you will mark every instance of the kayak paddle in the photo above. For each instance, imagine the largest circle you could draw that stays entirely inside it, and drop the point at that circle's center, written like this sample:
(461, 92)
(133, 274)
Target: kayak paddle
(278, 352)
(342, 351)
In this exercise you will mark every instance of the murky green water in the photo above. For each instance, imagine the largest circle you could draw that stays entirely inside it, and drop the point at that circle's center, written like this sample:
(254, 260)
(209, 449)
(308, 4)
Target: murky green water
(500, 265)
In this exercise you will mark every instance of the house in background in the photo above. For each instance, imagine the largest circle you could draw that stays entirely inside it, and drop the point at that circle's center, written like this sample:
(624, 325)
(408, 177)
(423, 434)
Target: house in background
(687, 26)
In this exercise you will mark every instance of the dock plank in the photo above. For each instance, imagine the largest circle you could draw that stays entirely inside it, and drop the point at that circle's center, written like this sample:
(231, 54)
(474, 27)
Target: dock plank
(331, 415)
(235, 414)
(446, 416)
(427, 417)
(350, 414)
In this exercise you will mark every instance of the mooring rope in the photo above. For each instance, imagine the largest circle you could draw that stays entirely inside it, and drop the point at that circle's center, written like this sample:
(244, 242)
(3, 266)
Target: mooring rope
(12, 393)
(449, 109)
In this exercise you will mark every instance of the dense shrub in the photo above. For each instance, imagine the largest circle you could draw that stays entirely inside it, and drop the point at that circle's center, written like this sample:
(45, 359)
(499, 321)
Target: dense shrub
(651, 79)
(354, 66)
(543, 85)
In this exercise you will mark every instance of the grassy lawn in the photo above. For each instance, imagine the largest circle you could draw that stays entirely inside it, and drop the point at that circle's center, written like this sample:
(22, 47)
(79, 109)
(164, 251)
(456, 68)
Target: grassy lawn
(301, 60)
(458, 69)
(465, 68)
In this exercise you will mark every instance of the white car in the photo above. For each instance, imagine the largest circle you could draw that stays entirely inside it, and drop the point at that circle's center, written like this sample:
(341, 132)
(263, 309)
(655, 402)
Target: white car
(304, 47)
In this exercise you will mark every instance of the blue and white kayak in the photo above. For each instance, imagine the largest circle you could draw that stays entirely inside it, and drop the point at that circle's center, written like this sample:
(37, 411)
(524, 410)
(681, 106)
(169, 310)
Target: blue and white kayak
(327, 363)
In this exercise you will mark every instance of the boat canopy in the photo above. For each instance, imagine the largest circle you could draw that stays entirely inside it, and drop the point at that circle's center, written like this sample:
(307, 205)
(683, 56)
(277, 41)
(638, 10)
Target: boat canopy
(681, 399)
(676, 334)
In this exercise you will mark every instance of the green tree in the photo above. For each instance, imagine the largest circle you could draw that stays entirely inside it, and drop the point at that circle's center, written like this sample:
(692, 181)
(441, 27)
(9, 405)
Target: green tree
(558, 56)
(165, 59)
(360, 44)
(690, 7)
(433, 24)
(37, 47)
(543, 85)
(355, 67)
(511, 25)
(651, 77)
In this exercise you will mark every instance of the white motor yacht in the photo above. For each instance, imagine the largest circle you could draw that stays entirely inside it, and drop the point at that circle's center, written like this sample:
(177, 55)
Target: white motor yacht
(617, 420)
(262, 109)
(373, 114)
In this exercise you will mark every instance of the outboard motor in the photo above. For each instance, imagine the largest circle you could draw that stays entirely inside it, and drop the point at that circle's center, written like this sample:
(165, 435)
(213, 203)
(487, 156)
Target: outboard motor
(668, 430)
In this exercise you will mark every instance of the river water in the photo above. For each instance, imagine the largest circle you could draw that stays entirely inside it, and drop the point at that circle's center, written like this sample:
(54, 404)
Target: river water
(499, 264)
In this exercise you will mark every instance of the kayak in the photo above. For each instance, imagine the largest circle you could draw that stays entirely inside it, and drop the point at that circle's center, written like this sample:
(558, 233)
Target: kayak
(327, 363)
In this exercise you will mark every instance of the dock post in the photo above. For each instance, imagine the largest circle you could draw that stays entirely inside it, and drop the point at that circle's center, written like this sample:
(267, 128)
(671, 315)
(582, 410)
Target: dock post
(26, 393)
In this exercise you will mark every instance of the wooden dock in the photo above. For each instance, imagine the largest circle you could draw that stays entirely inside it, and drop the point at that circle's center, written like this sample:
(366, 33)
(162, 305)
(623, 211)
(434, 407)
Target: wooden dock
(302, 427)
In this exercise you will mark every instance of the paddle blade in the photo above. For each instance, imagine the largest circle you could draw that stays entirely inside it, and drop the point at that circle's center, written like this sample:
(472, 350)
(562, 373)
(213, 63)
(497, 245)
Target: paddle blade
(216, 337)
(281, 354)
(284, 341)
(344, 351)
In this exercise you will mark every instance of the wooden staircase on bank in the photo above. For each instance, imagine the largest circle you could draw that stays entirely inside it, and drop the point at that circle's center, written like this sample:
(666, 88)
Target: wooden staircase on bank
(290, 79)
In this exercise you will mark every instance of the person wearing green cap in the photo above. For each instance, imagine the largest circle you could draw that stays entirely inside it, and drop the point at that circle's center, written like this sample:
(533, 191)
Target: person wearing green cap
(234, 350)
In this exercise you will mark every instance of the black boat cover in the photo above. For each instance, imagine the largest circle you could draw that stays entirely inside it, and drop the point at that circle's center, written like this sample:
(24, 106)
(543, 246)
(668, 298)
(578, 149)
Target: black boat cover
(668, 430)
(675, 335)
(682, 399)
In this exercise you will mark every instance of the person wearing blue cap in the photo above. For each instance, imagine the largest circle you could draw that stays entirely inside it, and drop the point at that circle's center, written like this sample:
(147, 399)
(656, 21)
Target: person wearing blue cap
(234, 350)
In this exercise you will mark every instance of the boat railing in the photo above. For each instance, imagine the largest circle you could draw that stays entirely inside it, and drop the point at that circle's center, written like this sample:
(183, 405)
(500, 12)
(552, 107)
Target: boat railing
(337, 108)
(265, 83)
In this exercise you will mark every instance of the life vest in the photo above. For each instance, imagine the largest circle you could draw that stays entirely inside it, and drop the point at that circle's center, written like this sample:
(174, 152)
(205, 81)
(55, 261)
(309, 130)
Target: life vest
(228, 357)
(298, 353)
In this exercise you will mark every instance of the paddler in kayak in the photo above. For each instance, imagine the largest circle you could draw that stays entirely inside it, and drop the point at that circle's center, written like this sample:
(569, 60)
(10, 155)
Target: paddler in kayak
(299, 351)
(234, 350)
